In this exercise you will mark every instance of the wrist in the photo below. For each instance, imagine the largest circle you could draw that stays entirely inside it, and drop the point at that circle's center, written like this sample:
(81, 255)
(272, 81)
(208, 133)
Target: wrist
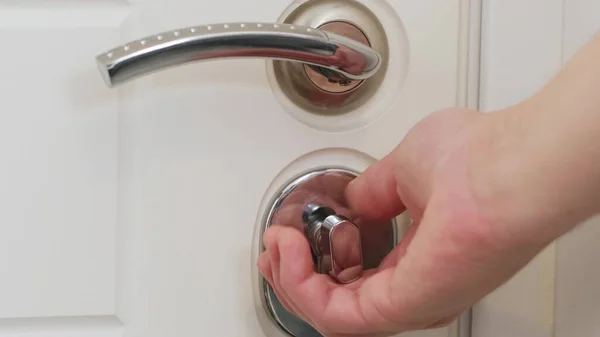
(525, 180)
(535, 167)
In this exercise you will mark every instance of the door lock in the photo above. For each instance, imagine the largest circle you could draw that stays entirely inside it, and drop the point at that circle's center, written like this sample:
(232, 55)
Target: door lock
(343, 243)
(335, 243)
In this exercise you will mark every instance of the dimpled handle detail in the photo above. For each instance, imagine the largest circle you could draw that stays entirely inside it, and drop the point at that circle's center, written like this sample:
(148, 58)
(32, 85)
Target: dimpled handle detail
(334, 56)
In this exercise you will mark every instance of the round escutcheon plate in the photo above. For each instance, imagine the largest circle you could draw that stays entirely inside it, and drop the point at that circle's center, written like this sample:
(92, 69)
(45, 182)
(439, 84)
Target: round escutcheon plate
(337, 107)
(310, 90)
(325, 187)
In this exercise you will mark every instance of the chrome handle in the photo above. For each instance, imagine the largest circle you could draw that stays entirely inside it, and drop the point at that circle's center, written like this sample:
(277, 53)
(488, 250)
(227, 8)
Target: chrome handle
(336, 57)
(336, 243)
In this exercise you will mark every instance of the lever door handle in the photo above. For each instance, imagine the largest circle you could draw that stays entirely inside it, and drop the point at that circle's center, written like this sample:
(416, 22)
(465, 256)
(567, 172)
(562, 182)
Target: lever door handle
(336, 57)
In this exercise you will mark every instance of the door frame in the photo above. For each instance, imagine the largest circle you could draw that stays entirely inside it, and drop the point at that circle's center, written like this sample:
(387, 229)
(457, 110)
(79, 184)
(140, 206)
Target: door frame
(469, 92)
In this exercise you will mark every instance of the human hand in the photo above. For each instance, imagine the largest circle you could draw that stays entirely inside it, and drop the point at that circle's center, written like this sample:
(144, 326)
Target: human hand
(456, 251)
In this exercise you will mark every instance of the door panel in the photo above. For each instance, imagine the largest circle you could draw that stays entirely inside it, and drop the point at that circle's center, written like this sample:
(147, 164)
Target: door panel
(131, 211)
(59, 150)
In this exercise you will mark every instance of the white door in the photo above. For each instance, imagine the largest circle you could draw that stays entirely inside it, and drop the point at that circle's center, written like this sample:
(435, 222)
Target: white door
(132, 211)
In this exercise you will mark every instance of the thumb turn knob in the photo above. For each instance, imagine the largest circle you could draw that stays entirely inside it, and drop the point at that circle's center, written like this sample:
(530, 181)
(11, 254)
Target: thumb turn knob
(336, 243)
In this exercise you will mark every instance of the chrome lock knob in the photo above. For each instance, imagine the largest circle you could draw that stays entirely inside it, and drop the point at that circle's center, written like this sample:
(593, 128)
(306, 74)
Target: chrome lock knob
(335, 242)
(338, 58)
(343, 243)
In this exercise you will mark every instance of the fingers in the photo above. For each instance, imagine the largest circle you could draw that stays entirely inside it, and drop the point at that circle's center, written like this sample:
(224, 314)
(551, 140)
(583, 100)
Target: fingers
(273, 256)
(329, 307)
(264, 266)
(399, 251)
(297, 261)
(374, 194)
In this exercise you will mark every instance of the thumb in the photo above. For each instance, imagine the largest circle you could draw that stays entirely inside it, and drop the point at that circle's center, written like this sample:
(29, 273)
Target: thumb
(374, 193)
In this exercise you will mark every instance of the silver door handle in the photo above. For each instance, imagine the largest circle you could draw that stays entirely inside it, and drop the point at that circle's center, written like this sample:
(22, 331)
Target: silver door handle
(336, 57)
(335, 242)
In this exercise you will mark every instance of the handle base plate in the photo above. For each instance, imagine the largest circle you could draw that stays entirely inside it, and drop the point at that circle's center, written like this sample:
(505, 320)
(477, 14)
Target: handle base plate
(311, 91)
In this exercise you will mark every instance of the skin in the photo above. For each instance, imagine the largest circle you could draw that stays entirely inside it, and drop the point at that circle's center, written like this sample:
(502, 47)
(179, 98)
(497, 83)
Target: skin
(487, 193)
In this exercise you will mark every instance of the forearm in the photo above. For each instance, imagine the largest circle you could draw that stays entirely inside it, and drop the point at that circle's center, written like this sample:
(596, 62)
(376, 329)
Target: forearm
(548, 169)
(565, 144)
